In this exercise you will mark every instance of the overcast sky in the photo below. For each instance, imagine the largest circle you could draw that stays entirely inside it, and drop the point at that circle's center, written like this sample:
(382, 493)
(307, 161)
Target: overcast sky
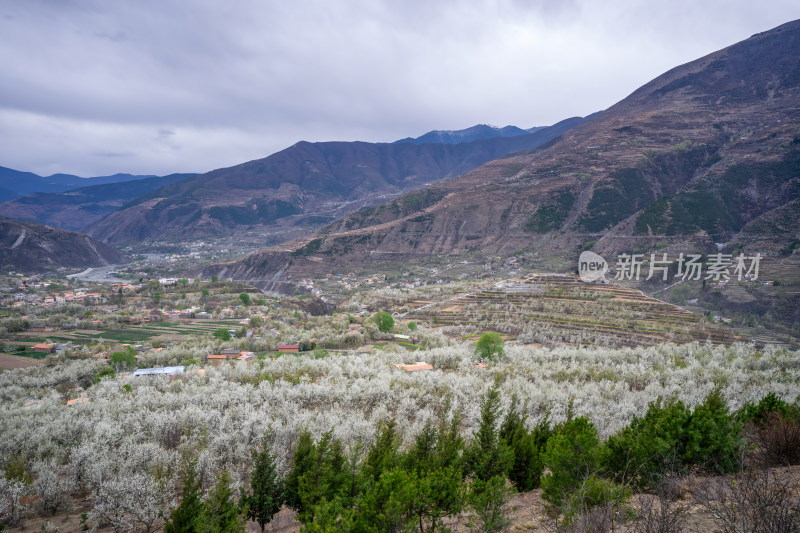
(160, 86)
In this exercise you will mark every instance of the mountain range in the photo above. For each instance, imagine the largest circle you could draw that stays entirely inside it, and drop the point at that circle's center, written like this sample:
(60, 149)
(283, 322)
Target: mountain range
(14, 183)
(480, 131)
(704, 153)
(307, 184)
(77, 208)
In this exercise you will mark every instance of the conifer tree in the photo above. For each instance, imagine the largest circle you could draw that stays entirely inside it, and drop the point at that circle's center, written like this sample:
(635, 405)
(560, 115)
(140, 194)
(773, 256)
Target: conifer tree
(572, 456)
(386, 505)
(184, 519)
(488, 460)
(713, 435)
(435, 474)
(266, 486)
(323, 477)
(526, 470)
(301, 464)
(488, 455)
(383, 454)
(220, 512)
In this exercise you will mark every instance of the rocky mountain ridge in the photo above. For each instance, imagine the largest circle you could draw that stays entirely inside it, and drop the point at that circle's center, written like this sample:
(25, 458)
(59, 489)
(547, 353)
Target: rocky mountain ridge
(30, 247)
(473, 133)
(308, 184)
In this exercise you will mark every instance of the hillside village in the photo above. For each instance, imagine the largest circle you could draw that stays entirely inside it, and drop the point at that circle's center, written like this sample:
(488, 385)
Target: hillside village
(156, 319)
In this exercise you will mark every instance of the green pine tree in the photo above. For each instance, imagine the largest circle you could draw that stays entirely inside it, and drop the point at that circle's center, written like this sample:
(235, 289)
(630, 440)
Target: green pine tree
(313, 483)
(488, 455)
(383, 455)
(487, 502)
(266, 487)
(386, 504)
(434, 464)
(184, 519)
(321, 472)
(220, 512)
(714, 435)
(301, 463)
(572, 456)
(526, 471)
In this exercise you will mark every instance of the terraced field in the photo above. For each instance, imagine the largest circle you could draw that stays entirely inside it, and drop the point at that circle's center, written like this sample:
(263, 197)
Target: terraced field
(129, 334)
(552, 308)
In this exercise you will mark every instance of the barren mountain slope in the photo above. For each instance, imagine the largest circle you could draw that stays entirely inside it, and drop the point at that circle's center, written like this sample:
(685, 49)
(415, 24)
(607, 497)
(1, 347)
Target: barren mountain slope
(30, 247)
(701, 150)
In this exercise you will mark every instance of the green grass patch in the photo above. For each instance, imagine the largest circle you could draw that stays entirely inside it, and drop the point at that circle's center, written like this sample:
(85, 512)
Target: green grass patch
(32, 355)
(123, 335)
(410, 347)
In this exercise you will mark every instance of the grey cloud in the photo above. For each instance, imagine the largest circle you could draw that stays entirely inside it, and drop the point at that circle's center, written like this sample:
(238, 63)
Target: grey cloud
(244, 79)
(113, 154)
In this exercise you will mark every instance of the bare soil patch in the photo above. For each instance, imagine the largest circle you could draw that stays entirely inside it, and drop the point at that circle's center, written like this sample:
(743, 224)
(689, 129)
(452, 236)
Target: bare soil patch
(10, 362)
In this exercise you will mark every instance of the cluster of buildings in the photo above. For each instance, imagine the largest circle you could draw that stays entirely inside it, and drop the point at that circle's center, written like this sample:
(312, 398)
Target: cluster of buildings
(20, 291)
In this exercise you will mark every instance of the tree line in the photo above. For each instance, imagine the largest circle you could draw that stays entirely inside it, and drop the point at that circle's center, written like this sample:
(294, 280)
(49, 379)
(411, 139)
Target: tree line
(441, 476)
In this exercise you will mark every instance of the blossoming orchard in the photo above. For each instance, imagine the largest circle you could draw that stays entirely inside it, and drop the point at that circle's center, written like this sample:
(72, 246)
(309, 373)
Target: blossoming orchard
(390, 414)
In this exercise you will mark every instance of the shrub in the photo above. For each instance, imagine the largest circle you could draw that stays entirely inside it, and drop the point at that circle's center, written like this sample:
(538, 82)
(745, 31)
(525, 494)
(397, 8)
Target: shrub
(650, 445)
(106, 371)
(761, 500)
(660, 513)
(760, 412)
(671, 437)
(490, 346)
(571, 456)
(713, 436)
(222, 334)
(384, 321)
(596, 492)
(123, 359)
(778, 441)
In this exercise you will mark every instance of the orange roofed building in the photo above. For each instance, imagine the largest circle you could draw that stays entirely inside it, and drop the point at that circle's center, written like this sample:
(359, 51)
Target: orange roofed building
(44, 348)
(289, 348)
(419, 365)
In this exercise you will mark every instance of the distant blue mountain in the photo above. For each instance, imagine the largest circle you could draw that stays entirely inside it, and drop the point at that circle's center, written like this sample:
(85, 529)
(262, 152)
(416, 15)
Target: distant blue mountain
(480, 131)
(15, 183)
(78, 207)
